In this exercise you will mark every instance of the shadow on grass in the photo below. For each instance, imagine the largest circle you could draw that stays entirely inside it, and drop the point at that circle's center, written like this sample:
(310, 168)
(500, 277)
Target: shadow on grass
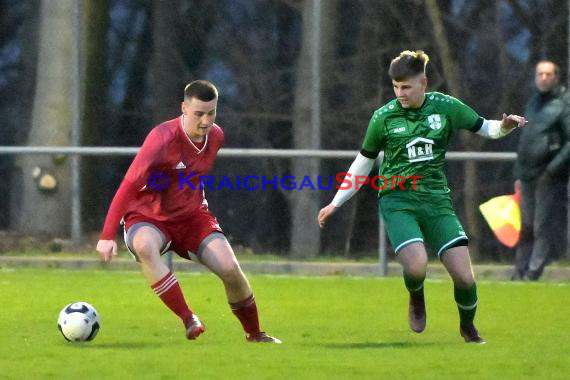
(379, 345)
(118, 345)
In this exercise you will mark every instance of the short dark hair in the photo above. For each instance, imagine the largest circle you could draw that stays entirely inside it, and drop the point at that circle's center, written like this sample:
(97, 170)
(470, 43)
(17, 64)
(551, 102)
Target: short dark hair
(556, 67)
(408, 64)
(201, 90)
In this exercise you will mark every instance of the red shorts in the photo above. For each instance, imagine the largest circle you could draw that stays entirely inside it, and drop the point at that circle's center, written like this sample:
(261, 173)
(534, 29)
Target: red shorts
(181, 236)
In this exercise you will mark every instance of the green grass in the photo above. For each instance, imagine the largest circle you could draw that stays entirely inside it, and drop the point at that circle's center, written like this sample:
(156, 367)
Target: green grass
(332, 328)
(243, 255)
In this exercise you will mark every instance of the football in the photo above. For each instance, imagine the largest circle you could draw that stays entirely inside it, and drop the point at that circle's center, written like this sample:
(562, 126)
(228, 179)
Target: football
(78, 322)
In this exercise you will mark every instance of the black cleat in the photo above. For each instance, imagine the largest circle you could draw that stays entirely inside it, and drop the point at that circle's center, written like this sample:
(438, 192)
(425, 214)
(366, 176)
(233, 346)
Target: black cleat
(417, 311)
(518, 276)
(470, 334)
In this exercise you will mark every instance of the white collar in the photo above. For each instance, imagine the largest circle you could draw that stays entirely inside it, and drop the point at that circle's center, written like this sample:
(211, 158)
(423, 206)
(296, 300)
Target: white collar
(190, 140)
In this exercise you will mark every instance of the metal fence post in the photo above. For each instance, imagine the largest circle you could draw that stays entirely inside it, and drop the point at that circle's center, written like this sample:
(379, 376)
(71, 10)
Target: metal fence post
(76, 109)
(382, 254)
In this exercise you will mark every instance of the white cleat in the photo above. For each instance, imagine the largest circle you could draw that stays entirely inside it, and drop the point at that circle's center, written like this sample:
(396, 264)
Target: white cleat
(194, 327)
(262, 337)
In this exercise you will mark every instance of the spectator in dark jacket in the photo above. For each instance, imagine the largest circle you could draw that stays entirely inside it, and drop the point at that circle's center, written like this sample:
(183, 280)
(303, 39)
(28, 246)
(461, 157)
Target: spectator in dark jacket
(543, 166)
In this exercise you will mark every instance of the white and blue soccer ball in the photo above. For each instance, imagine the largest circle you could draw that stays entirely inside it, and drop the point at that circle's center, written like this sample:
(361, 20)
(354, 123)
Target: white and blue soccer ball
(78, 322)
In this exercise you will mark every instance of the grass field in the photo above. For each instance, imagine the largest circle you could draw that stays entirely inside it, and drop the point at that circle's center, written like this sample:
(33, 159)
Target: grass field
(332, 328)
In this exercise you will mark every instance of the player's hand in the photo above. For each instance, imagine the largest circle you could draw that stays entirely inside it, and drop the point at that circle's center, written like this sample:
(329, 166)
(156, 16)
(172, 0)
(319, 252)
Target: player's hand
(107, 249)
(325, 213)
(512, 121)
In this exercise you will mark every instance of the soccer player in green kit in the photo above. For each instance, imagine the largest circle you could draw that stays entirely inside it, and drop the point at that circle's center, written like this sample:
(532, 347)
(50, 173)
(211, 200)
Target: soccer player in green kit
(414, 130)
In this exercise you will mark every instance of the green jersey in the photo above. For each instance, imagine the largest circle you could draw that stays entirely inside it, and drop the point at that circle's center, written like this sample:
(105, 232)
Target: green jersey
(415, 141)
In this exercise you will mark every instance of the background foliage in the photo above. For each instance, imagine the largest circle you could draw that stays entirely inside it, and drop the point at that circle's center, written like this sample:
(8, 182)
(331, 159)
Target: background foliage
(139, 54)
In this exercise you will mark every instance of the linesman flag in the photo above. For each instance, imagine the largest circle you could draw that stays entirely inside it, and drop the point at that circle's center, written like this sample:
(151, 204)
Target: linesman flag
(503, 214)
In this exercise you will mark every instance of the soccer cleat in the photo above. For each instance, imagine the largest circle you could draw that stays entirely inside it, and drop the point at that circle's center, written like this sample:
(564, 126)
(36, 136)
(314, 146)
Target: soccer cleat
(470, 334)
(518, 276)
(194, 327)
(262, 337)
(533, 275)
(417, 311)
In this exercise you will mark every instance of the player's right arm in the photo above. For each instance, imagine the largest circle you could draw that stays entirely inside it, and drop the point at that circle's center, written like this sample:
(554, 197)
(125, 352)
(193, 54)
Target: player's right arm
(107, 249)
(107, 246)
(135, 178)
(361, 166)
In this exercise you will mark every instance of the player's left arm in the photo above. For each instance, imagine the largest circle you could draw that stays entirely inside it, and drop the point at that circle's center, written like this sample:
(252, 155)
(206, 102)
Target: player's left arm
(495, 129)
(464, 117)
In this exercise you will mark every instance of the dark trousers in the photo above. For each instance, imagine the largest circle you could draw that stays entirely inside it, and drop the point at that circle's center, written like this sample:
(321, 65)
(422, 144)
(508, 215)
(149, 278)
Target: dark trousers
(544, 203)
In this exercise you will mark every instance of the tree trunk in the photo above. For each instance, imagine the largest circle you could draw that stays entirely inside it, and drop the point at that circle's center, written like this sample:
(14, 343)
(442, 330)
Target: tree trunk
(96, 23)
(470, 188)
(25, 90)
(367, 95)
(167, 67)
(47, 212)
(305, 203)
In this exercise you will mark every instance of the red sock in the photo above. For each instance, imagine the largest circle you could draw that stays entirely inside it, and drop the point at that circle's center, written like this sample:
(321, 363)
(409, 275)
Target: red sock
(246, 312)
(170, 293)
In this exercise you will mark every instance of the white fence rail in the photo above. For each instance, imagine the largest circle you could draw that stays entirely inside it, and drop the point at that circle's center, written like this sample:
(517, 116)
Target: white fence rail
(238, 152)
(76, 230)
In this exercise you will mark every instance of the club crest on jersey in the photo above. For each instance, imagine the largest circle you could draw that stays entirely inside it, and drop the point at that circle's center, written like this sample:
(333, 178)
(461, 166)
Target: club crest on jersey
(434, 121)
(420, 149)
(180, 166)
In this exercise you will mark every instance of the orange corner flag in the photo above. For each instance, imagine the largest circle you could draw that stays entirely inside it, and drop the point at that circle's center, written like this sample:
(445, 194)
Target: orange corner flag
(503, 214)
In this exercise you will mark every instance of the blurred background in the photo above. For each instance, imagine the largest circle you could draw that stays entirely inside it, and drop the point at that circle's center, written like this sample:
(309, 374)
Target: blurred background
(292, 74)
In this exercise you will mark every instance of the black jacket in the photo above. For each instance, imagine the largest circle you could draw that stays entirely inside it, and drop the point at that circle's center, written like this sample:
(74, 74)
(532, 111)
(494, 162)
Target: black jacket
(544, 144)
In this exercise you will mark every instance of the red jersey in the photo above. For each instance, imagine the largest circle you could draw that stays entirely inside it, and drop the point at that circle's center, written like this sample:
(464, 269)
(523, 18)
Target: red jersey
(169, 151)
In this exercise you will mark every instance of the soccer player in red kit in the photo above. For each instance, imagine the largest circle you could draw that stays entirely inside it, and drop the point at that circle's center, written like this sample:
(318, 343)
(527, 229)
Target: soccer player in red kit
(163, 208)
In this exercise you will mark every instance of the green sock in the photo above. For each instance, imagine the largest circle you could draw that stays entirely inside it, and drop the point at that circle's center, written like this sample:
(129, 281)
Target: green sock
(413, 284)
(466, 299)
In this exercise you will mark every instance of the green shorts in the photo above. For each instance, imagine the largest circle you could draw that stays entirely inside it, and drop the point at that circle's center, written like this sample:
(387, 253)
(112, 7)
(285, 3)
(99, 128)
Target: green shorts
(411, 216)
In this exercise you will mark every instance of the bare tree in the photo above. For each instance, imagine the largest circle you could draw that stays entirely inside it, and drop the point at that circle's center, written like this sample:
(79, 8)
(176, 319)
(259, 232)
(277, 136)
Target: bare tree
(20, 110)
(44, 206)
(470, 142)
(305, 233)
(96, 22)
(167, 68)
